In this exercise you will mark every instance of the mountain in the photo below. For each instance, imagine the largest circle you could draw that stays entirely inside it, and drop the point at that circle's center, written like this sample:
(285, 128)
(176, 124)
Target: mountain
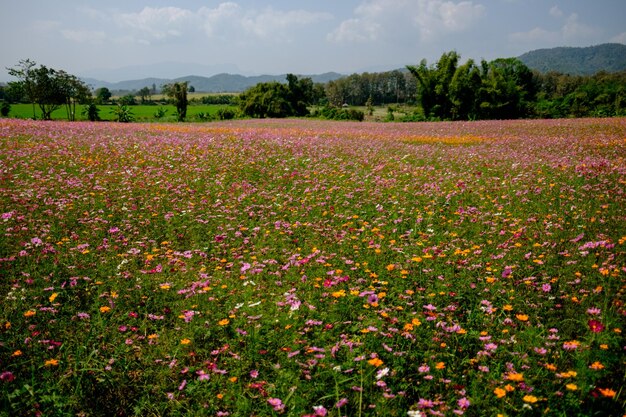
(609, 57)
(219, 83)
(166, 70)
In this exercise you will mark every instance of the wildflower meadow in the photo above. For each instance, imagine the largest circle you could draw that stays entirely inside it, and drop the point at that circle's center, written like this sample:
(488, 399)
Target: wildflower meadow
(311, 268)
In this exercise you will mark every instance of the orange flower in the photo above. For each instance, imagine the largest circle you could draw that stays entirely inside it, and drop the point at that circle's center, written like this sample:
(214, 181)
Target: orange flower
(185, 341)
(530, 399)
(30, 313)
(223, 322)
(515, 377)
(507, 307)
(522, 317)
(375, 362)
(51, 362)
(607, 392)
(499, 392)
(596, 366)
(440, 365)
(105, 309)
(571, 387)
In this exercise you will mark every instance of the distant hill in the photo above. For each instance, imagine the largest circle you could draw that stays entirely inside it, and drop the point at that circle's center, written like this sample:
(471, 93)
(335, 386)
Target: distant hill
(609, 57)
(219, 83)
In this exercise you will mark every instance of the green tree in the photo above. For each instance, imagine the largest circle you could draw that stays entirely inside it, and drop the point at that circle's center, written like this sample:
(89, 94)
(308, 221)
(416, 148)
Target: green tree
(24, 72)
(464, 91)
(177, 92)
(426, 83)
(74, 91)
(103, 95)
(274, 99)
(145, 95)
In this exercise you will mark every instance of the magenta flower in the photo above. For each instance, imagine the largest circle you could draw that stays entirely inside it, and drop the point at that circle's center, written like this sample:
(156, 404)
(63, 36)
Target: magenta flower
(595, 326)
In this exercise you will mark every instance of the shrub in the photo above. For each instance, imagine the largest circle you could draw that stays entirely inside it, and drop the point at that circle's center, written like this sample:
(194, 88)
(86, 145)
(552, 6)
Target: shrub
(5, 108)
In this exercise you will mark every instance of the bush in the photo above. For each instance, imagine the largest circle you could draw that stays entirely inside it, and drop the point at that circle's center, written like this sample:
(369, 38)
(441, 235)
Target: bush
(123, 114)
(335, 113)
(226, 114)
(5, 108)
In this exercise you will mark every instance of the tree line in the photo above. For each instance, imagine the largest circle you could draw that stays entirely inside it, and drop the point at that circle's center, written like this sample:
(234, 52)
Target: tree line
(504, 88)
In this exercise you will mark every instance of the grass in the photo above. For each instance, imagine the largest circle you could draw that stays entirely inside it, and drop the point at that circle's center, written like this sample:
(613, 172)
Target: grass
(144, 113)
(299, 267)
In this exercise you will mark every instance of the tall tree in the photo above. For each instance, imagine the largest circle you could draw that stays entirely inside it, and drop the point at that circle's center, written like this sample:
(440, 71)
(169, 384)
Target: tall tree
(26, 84)
(177, 92)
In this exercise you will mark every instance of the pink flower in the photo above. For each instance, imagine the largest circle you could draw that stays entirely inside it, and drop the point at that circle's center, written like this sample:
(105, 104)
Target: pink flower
(320, 411)
(276, 403)
(463, 403)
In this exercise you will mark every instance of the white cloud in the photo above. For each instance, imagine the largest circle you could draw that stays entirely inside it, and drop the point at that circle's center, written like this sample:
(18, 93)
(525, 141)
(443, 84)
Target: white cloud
(536, 36)
(571, 31)
(556, 12)
(272, 23)
(621, 38)
(157, 23)
(84, 36)
(397, 19)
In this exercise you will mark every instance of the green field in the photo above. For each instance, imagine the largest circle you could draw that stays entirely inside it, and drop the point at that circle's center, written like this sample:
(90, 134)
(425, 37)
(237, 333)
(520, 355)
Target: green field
(142, 113)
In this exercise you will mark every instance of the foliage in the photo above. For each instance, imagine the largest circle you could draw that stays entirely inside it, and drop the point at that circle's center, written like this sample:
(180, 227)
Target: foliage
(229, 99)
(48, 88)
(292, 268)
(274, 99)
(5, 108)
(103, 95)
(145, 95)
(91, 112)
(123, 113)
(608, 57)
(381, 88)
(226, 113)
(336, 113)
(177, 92)
(160, 113)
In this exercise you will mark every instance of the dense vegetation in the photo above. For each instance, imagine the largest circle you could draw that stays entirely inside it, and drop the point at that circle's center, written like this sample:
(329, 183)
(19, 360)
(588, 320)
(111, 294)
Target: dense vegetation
(445, 90)
(609, 57)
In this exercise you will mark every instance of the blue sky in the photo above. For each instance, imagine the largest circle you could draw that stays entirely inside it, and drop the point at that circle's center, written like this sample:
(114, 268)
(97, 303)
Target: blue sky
(299, 36)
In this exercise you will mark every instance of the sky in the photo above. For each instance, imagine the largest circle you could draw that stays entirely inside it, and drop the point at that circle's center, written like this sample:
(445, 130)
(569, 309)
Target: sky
(109, 38)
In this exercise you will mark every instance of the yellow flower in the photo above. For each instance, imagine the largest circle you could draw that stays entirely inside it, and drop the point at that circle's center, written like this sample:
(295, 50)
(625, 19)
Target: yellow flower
(499, 392)
(53, 296)
(416, 322)
(571, 387)
(223, 322)
(507, 307)
(530, 399)
(375, 362)
(185, 341)
(390, 267)
(105, 309)
(339, 294)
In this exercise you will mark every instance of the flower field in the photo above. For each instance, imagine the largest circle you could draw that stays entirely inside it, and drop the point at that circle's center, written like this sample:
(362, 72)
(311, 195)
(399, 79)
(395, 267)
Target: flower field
(308, 268)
